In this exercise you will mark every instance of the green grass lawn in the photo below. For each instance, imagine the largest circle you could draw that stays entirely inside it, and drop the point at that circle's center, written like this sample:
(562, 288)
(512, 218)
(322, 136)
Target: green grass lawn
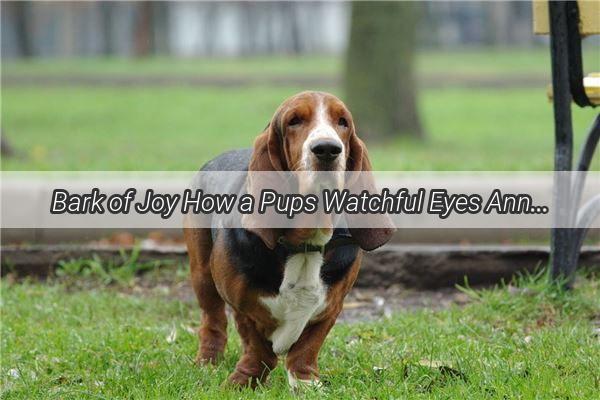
(60, 342)
(477, 61)
(181, 128)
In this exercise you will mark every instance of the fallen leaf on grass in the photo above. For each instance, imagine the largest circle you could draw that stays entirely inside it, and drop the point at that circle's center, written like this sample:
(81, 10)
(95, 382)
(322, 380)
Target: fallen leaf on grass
(431, 363)
(172, 336)
(352, 340)
(188, 329)
(14, 373)
(379, 373)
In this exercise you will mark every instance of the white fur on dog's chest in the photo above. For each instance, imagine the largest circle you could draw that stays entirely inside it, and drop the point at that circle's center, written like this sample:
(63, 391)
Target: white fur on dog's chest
(301, 297)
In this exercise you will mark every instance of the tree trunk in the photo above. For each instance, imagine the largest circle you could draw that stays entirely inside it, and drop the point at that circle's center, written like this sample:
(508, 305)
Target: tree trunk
(160, 19)
(379, 78)
(106, 9)
(143, 43)
(5, 148)
(21, 13)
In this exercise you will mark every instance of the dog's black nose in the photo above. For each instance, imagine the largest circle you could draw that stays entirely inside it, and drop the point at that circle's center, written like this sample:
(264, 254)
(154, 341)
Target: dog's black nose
(326, 150)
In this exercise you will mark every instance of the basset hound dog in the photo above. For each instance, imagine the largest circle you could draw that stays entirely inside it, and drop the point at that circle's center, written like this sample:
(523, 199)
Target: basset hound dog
(286, 287)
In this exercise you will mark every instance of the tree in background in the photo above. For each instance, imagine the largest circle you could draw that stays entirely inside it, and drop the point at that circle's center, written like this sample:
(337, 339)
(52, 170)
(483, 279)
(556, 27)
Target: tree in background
(23, 36)
(143, 38)
(379, 77)
(5, 148)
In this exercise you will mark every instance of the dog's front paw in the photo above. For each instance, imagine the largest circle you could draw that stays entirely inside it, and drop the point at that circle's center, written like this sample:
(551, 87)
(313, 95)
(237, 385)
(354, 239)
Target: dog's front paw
(208, 359)
(209, 355)
(211, 350)
(239, 379)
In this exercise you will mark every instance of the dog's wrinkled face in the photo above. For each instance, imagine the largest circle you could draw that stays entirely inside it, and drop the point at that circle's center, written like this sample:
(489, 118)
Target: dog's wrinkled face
(315, 129)
(311, 132)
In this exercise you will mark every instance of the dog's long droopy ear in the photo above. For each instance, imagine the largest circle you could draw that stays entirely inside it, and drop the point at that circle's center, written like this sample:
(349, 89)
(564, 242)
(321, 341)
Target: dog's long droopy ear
(269, 152)
(358, 164)
(358, 160)
(267, 156)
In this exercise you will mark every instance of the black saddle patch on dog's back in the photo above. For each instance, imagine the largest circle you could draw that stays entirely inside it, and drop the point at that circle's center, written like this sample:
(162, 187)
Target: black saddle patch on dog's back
(260, 266)
(338, 262)
(263, 268)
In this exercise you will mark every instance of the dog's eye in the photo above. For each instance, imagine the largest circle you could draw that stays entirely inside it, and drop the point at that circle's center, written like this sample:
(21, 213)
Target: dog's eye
(343, 122)
(295, 121)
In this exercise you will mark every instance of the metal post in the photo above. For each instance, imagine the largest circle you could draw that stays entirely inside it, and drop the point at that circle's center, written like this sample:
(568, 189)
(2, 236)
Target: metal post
(563, 133)
(585, 159)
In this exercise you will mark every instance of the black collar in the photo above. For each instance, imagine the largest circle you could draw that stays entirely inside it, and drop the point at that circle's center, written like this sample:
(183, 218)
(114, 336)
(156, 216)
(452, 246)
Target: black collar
(336, 241)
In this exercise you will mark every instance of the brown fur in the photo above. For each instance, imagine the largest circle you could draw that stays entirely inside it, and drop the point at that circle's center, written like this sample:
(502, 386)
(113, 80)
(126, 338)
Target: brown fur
(216, 281)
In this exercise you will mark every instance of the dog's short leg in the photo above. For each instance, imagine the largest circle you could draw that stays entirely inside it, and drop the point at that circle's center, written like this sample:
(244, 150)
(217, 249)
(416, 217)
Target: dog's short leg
(258, 358)
(213, 328)
(301, 360)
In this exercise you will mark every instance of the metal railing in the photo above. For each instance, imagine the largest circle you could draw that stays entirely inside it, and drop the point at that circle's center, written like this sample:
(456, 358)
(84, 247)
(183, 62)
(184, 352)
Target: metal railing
(567, 85)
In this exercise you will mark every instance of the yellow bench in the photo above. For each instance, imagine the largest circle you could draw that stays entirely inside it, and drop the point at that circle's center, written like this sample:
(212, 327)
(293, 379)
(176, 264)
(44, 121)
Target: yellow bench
(589, 17)
(567, 22)
(589, 24)
(591, 83)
